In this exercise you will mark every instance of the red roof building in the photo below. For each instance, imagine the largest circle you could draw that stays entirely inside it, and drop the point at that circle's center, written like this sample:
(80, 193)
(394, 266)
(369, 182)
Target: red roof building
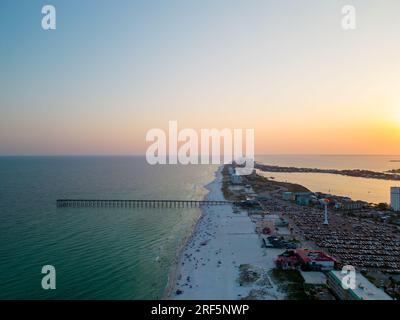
(306, 260)
(316, 259)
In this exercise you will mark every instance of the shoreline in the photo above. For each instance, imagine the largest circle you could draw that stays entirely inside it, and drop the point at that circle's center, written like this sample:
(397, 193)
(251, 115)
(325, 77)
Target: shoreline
(220, 254)
(370, 191)
(176, 265)
(356, 173)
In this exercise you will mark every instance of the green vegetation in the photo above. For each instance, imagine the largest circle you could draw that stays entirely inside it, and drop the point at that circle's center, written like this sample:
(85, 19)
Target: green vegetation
(383, 206)
(292, 283)
(261, 184)
(317, 292)
(249, 274)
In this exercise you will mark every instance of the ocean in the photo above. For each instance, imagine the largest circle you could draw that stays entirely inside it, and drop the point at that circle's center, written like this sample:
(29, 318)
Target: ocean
(105, 253)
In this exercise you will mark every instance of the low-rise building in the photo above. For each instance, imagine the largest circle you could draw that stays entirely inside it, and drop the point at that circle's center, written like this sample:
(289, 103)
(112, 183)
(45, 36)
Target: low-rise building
(350, 205)
(277, 242)
(363, 290)
(395, 198)
(316, 260)
(288, 196)
(236, 179)
(303, 198)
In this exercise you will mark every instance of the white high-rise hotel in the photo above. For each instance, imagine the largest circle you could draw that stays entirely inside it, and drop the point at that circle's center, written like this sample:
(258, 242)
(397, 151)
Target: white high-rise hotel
(395, 198)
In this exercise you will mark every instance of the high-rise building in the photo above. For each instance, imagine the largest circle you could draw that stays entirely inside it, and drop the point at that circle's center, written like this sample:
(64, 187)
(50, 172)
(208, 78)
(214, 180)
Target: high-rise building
(395, 198)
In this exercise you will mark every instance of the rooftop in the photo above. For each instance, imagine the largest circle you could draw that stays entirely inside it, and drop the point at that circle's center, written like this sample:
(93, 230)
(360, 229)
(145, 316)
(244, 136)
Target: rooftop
(313, 255)
(364, 290)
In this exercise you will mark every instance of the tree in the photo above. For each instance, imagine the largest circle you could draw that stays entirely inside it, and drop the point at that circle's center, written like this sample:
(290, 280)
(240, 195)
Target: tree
(383, 206)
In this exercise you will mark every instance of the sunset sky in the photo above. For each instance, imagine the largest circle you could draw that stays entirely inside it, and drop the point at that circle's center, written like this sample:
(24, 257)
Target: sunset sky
(112, 70)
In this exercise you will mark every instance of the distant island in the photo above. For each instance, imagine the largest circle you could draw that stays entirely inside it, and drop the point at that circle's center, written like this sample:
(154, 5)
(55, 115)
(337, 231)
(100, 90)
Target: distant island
(390, 175)
(396, 171)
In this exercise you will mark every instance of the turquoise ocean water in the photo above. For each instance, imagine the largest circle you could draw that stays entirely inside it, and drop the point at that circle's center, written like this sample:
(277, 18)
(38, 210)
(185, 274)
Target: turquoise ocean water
(98, 253)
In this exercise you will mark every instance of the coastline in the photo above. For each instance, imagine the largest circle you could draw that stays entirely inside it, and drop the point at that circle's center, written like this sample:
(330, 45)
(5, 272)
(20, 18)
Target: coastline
(358, 189)
(176, 265)
(213, 261)
(392, 175)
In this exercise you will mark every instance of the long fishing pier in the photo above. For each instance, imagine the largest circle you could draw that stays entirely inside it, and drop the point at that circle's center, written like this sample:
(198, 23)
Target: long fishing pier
(86, 203)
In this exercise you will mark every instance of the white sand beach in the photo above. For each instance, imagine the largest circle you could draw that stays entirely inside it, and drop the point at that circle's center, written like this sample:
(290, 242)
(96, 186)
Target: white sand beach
(208, 267)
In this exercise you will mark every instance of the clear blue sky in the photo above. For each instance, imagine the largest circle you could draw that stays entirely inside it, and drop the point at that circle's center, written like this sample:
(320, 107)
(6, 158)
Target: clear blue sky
(114, 69)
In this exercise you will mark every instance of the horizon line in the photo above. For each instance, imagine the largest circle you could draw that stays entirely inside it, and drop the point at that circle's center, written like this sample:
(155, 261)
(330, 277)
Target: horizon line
(143, 155)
